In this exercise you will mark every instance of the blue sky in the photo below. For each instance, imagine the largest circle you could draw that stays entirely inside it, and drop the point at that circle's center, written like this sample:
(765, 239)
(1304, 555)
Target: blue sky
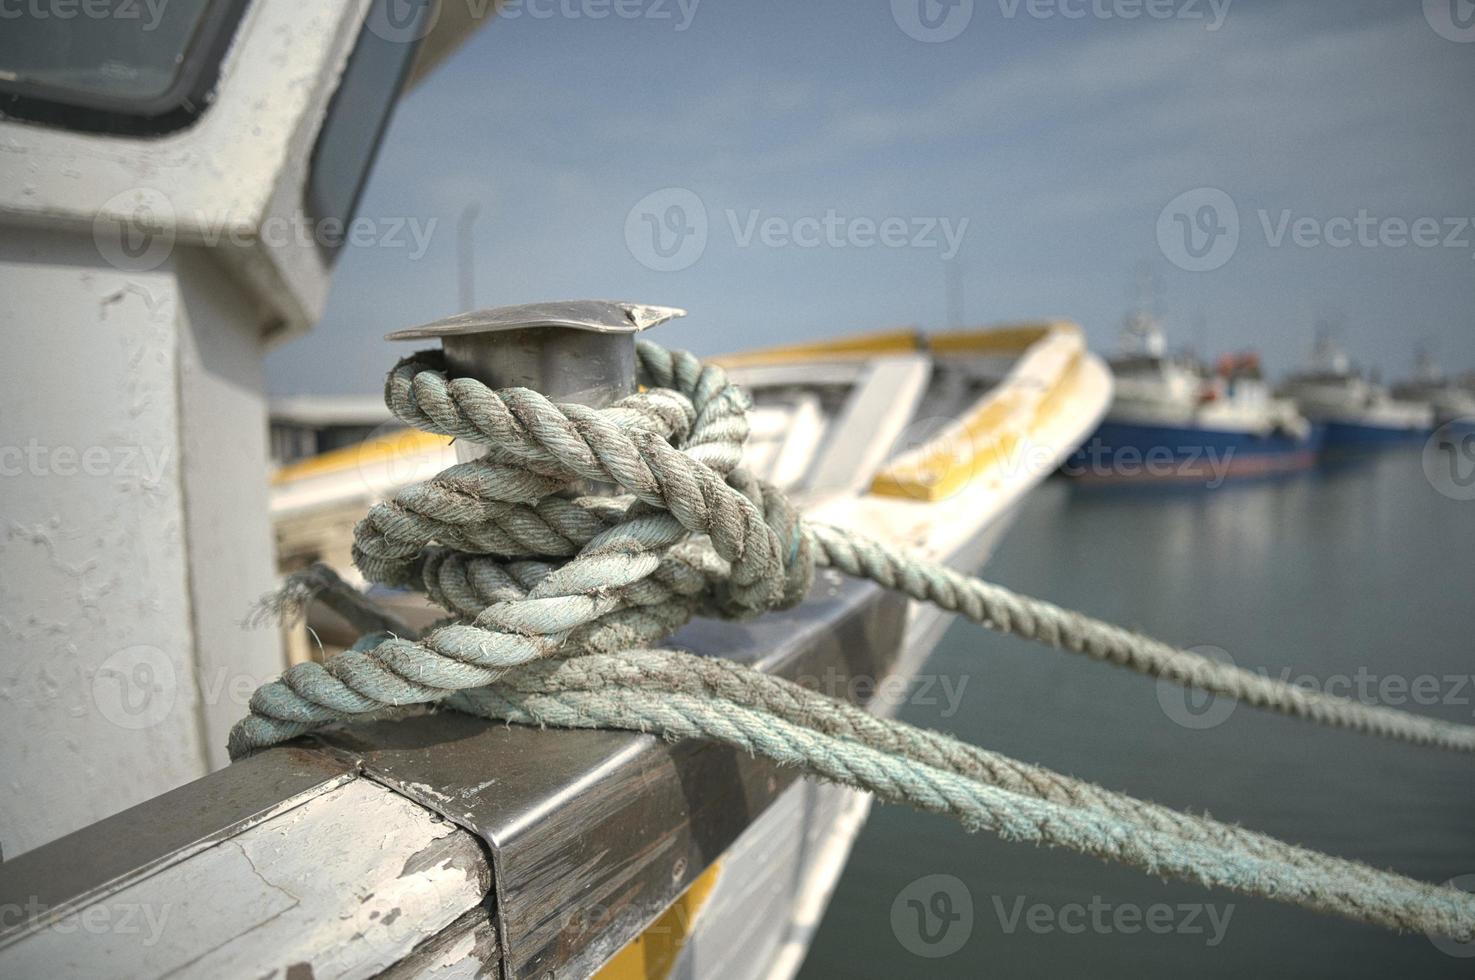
(1052, 153)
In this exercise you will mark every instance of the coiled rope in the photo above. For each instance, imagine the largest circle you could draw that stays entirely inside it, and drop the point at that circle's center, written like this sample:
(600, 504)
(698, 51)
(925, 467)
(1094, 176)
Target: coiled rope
(567, 589)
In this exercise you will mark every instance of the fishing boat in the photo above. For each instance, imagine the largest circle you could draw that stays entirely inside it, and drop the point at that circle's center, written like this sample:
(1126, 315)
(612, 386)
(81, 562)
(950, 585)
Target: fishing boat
(1170, 422)
(1358, 413)
(1453, 403)
(580, 853)
(172, 209)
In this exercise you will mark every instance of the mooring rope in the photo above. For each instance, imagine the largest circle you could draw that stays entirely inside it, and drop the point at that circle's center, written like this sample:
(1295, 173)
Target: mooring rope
(567, 588)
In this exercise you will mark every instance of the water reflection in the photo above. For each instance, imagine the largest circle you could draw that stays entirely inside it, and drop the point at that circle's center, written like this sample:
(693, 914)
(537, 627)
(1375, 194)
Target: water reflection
(1356, 574)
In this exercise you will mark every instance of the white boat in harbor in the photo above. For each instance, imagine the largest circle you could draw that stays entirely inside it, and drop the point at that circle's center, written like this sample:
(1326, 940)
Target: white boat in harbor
(1358, 413)
(575, 655)
(1170, 420)
(720, 864)
(164, 242)
(1452, 402)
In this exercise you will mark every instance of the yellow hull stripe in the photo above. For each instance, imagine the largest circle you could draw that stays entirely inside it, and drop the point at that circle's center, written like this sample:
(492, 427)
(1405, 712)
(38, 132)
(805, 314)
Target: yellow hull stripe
(652, 954)
(400, 443)
(994, 432)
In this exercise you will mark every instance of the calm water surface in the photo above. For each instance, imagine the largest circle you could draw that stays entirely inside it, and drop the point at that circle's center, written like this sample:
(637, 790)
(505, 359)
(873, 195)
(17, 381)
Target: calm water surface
(1360, 576)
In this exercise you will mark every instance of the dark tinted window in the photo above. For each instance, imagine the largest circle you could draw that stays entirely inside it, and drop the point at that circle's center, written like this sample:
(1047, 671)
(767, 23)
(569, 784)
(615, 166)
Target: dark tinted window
(112, 65)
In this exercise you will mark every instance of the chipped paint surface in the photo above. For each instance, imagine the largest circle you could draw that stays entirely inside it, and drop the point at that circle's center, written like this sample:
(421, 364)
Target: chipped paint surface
(133, 532)
(389, 874)
(241, 163)
(90, 563)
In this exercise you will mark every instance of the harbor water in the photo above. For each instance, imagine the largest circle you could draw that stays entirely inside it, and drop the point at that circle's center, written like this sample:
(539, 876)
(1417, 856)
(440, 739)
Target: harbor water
(1354, 579)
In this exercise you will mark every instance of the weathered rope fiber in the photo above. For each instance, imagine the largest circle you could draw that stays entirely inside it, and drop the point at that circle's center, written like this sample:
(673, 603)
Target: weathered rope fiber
(1352, 891)
(1214, 855)
(1034, 619)
(565, 588)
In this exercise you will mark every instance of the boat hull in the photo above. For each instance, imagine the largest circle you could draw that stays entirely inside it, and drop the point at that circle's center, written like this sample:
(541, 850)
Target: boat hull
(1345, 436)
(1129, 452)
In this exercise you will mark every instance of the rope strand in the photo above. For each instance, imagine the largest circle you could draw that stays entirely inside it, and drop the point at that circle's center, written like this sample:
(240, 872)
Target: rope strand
(1213, 859)
(550, 595)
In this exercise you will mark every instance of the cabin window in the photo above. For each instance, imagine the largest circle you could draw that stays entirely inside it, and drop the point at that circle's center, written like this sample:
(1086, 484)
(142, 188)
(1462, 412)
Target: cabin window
(115, 66)
(360, 110)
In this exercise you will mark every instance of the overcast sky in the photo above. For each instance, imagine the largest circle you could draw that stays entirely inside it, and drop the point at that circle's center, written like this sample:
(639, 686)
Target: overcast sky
(789, 171)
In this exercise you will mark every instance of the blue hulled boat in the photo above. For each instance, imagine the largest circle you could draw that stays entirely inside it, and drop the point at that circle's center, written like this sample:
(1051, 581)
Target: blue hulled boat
(1359, 414)
(1173, 422)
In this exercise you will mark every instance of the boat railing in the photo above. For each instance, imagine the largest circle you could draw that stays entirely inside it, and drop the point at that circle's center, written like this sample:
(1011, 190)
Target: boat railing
(994, 430)
(390, 845)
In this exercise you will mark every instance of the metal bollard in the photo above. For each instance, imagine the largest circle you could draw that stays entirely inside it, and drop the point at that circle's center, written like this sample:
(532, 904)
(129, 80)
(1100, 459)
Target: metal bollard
(581, 351)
